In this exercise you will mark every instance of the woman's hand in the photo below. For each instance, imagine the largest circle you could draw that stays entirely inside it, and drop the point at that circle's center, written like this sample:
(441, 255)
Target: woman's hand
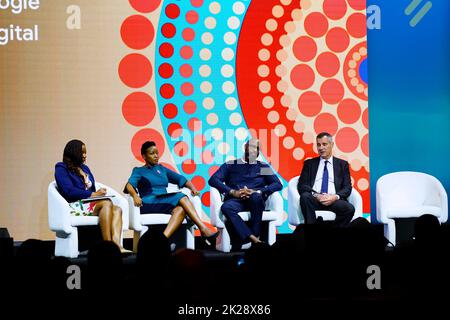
(195, 192)
(137, 201)
(99, 192)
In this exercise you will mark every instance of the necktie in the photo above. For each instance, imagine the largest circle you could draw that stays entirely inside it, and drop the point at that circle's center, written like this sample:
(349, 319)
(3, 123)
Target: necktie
(324, 188)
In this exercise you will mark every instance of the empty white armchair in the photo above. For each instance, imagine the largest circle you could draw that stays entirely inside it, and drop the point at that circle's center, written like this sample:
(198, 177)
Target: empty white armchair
(273, 215)
(66, 225)
(295, 215)
(409, 194)
(140, 222)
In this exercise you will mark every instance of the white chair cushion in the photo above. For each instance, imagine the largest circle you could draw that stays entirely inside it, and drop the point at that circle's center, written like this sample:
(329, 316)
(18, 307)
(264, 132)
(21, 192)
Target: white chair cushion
(326, 215)
(156, 218)
(412, 212)
(267, 215)
(76, 221)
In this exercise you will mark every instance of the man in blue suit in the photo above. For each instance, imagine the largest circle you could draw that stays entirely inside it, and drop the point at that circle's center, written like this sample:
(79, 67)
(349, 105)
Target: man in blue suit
(325, 184)
(245, 184)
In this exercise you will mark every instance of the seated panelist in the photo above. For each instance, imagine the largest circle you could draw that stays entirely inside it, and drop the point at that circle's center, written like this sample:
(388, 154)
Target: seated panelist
(148, 187)
(76, 182)
(325, 184)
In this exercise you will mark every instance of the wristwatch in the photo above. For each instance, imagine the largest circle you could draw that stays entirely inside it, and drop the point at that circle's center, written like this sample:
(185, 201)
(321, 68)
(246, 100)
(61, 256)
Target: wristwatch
(259, 191)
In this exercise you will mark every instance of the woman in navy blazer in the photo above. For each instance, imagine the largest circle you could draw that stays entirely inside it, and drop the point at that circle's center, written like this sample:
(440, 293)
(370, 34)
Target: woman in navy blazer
(75, 182)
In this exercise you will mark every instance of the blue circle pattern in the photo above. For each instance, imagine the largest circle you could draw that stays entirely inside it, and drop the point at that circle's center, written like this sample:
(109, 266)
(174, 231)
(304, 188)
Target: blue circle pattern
(363, 71)
(216, 79)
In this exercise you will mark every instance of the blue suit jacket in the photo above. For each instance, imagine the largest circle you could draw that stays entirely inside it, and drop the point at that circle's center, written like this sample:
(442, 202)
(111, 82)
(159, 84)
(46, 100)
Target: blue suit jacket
(70, 185)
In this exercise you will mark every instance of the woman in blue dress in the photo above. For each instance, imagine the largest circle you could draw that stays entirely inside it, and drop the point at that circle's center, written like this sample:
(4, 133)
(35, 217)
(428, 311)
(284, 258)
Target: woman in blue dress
(151, 182)
(75, 182)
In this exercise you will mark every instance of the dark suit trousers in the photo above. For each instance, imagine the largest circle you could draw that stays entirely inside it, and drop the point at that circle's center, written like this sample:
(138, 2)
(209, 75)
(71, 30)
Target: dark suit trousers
(343, 209)
(234, 223)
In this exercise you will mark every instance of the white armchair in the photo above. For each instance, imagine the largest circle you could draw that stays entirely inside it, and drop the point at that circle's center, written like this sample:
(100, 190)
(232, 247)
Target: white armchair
(140, 222)
(66, 225)
(408, 195)
(273, 215)
(295, 215)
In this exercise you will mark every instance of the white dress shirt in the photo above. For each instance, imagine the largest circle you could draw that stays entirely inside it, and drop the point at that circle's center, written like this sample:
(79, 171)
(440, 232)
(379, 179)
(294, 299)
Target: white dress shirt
(318, 182)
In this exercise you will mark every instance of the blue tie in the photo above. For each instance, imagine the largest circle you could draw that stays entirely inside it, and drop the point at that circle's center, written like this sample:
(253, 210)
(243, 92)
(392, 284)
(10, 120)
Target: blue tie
(324, 188)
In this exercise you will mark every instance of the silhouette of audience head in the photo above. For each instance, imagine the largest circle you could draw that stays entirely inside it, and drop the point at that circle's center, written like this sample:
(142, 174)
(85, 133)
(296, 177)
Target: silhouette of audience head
(32, 260)
(153, 253)
(426, 229)
(104, 267)
(188, 260)
(368, 237)
(58, 269)
(259, 257)
(188, 268)
(33, 251)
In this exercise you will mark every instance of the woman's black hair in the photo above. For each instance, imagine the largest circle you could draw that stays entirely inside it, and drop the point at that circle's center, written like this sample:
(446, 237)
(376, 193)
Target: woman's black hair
(146, 145)
(73, 154)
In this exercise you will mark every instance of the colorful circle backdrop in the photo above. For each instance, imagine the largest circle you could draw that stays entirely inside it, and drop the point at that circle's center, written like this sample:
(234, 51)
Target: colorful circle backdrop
(212, 74)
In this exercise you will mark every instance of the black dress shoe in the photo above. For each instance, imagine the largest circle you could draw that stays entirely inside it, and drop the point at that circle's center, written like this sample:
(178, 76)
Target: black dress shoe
(236, 248)
(210, 240)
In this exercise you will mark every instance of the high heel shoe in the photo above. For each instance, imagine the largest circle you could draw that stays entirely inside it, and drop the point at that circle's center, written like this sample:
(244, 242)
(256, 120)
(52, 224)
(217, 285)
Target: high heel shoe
(209, 240)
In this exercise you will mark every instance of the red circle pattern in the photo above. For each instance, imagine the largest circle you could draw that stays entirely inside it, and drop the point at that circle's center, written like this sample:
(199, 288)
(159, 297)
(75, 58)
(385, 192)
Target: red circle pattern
(198, 182)
(357, 4)
(327, 64)
(168, 30)
(174, 130)
(331, 91)
(337, 39)
(194, 124)
(135, 70)
(349, 111)
(335, 9)
(170, 110)
(347, 139)
(137, 32)
(138, 109)
(167, 91)
(186, 70)
(302, 77)
(356, 25)
(146, 135)
(166, 50)
(172, 11)
(188, 34)
(316, 24)
(326, 122)
(188, 166)
(165, 70)
(192, 17)
(320, 42)
(304, 48)
(186, 52)
(310, 104)
(145, 6)
(190, 106)
(181, 148)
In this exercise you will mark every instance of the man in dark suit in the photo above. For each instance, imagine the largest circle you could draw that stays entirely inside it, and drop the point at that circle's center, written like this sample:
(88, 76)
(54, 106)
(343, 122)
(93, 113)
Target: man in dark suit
(325, 184)
(245, 184)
